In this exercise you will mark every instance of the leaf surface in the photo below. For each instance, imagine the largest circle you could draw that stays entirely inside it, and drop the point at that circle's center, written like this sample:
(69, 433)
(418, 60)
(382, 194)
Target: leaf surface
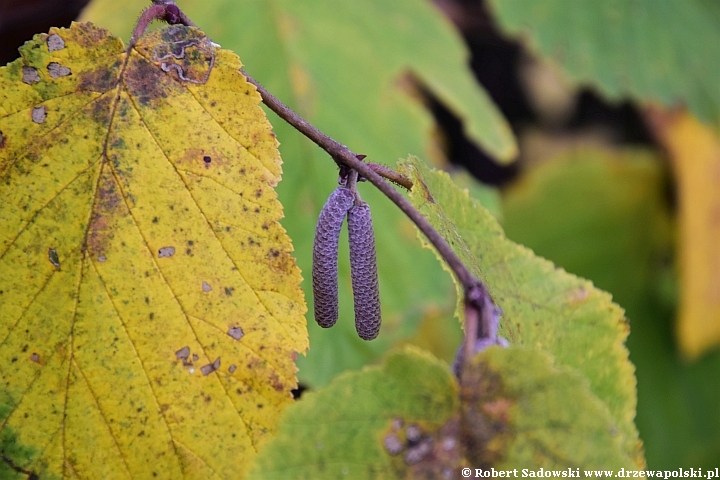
(604, 215)
(520, 411)
(695, 153)
(544, 307)
(409, 419)
(343, 65)
(651, 51)
(337, 432)
(150, 309)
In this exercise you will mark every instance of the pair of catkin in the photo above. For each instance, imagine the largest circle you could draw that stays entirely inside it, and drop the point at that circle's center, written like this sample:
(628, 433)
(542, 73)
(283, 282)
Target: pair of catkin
(363, 264)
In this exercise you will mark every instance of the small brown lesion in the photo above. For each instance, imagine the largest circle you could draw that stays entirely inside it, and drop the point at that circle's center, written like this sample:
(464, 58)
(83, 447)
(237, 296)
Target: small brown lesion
(108, 204)
(426, 192)
(100, 80)
(39, 114)
(55, 42)
(56, 70)
(30, 75)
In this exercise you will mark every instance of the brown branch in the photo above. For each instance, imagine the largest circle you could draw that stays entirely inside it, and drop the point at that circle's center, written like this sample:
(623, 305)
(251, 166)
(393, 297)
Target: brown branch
(165, 10)
(481, 314)
(477, 298)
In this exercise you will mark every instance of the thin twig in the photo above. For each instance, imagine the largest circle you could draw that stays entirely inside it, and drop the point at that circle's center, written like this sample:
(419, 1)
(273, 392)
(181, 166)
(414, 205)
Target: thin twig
(477, 297)
(165, 10)
(481, 314)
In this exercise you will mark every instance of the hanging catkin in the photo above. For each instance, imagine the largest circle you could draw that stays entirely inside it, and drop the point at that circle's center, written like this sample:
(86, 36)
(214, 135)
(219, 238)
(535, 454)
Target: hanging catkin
(325, 256)
(363, 271)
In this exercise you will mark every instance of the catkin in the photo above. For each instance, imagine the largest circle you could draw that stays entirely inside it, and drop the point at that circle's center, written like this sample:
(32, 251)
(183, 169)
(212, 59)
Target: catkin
(325, 256)
(363, 272)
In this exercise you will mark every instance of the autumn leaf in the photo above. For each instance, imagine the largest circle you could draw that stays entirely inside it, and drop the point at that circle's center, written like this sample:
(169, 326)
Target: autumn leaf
(604, 214)
(695, 153)
(654, 52)
(150, 310)
(408, 418)
(544, 307)
(345, 66)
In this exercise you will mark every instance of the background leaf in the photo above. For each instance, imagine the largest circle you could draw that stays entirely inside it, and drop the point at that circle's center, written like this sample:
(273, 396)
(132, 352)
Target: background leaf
(143, 327)
(337, 431)
(603, 215)
(345, 65)
(544, 307)
(642, 49)
(520, 412)
(695, 153)
(403, 420)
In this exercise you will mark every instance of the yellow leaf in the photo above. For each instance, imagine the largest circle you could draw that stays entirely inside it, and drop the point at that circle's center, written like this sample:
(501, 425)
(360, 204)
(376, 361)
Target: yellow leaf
(150, 309)
(695, 152)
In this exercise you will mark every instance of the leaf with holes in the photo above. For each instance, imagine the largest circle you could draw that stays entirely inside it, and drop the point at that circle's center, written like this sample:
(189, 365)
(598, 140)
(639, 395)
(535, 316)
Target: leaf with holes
(347, 66)
(150, 310)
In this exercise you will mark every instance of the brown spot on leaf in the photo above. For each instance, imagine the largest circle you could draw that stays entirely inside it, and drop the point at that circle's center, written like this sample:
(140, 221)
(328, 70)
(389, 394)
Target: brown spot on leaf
(426, 192)
(485, 408)
(100, 80)
(54, 42)
(35, 358)
(39, 114)
(108, 205)
(392, 444)
(101, 109)
(183, 353)
(56, 70)
(413, 433)
(211, 367)
(146, 82)
(232, 368)
(437, 455)
(2, 140)
(30, 75)
(498, 409)
(91, 36)
(419, 452)
(236, 333)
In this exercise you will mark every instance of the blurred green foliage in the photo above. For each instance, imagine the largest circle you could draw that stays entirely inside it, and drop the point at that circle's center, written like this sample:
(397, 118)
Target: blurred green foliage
(605, 215)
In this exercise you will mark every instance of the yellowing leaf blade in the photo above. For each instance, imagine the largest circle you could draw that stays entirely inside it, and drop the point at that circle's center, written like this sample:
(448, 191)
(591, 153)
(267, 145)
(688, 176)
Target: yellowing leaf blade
(695, 152)
(150, 309)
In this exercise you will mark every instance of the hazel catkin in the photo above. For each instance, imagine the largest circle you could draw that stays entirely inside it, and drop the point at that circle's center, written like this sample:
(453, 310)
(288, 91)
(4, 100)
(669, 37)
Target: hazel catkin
(325, 255)
(363, 272)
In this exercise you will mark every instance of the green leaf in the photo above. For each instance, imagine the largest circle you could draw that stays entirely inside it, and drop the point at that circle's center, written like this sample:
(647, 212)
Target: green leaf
(336, 432)
(603, 215)
(652, 51)
(342, 65)
(544, 307)
(520, 411)
(403, 420)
